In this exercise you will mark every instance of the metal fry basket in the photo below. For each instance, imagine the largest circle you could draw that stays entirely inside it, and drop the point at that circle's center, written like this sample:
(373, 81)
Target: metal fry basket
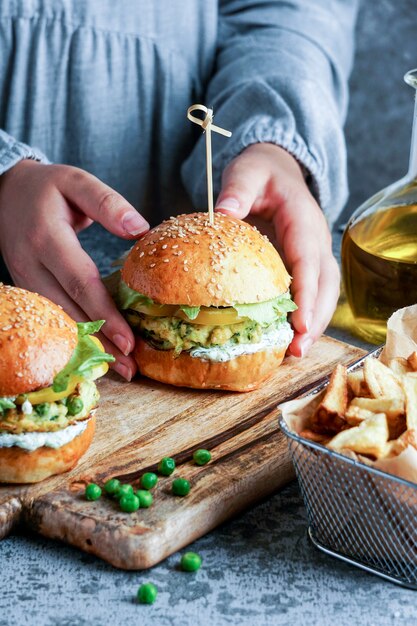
(356, 513)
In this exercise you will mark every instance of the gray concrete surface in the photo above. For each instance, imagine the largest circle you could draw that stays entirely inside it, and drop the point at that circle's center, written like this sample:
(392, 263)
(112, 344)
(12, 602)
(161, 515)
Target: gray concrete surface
(258, 569)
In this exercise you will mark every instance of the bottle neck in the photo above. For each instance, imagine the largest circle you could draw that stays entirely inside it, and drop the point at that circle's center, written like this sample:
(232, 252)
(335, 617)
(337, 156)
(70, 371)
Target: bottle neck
(412, 168)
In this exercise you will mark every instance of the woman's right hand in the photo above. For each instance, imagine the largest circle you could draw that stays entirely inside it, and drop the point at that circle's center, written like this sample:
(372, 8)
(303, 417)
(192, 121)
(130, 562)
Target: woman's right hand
(42, 208)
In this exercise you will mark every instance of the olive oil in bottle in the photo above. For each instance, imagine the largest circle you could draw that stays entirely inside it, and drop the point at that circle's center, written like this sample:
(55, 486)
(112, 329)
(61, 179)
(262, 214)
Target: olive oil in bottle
(379, 260)
(379, 250)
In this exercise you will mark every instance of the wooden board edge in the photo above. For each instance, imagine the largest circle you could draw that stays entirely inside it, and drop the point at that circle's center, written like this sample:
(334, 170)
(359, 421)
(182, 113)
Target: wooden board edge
(10, 513)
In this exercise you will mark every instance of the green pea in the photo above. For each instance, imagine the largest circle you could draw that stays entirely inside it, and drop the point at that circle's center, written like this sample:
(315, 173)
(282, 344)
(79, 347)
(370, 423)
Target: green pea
(74, 405)
(145, 498)
(112, 486)
(166, 466)
(147, 593)
(129, 504)
(41, 409)
(149, 480)
(92, 492)
(124, 490)
(191, 562)
(201, 457)
(181, 487)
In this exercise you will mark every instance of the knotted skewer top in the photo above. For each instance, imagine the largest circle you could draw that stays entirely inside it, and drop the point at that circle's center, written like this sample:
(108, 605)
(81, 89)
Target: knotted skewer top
(207, 126)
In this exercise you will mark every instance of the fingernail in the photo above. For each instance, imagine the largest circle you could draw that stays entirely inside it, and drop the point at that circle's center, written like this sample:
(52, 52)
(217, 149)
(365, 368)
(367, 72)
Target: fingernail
(306, 345)
(309, 320)
(123, 370)
(122, 343)
(134, 224)
(231, 204)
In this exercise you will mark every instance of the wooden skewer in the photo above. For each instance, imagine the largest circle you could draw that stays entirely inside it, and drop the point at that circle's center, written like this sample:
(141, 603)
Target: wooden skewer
(207, 126)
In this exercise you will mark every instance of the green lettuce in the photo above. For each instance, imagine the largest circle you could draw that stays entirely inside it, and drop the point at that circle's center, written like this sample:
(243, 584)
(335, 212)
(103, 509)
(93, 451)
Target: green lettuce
(84, 358)
(260, 312)
(6, 403)
(190, 311)
(127, 297)
(267, 312)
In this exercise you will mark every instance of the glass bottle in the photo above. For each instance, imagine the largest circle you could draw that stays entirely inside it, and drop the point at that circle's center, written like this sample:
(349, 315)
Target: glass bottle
(379, 249)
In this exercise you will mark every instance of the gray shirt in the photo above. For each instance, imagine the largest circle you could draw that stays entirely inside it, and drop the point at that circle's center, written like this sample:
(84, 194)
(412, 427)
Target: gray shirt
(105, 85)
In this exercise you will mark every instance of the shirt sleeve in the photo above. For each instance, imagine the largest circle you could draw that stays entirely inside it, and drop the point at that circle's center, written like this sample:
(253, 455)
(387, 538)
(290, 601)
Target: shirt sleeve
(281, 77)
(13, 151)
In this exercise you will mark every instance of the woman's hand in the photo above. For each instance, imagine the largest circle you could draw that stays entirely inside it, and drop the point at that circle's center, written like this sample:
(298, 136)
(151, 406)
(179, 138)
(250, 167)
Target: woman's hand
(266, 180)
(42, 207)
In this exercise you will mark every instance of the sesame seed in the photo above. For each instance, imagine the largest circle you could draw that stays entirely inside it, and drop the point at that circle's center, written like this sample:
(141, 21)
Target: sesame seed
(166, 260)
(141, 254)
(152, 265)
(165, 246)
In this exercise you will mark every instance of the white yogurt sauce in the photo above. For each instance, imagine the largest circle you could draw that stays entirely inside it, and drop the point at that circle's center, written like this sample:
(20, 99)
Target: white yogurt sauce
(280, 336)
(33, 441)
(27, 408)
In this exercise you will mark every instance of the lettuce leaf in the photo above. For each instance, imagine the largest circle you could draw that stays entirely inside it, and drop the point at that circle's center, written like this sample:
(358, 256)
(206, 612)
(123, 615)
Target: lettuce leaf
(190, 311)
(267, 312)
(89, 328)
(6, 403)
(261, 312)
(86, 355)
(127, 296)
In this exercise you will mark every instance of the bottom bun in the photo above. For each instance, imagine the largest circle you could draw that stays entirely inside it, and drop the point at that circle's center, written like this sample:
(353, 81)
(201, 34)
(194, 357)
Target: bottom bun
(24, 466)
(243, 373)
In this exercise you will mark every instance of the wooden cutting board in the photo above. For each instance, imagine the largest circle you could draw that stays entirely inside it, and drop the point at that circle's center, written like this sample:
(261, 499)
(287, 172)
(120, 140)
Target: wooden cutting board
(140, 422)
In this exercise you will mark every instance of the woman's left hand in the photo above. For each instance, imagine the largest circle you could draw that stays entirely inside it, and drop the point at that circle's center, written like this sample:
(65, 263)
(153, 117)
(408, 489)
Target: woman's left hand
(267, 181)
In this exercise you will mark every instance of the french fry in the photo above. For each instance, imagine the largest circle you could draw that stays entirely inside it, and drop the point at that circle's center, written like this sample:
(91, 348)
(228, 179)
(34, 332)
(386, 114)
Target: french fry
(371, 412)
(357, 384)
(412, 361)
(356, 414)
(317, 437)
(370, 437)
(396, 446)
(381, 381)
(329, 416)
(392, 407)
(409, 382)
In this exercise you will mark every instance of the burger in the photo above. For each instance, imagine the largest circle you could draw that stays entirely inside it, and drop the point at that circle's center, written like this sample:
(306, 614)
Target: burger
(48, 364)
(208, 303)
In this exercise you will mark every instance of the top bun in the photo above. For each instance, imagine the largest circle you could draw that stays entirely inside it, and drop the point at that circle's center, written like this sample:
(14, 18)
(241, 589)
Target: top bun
(184, 260)
(37, 340)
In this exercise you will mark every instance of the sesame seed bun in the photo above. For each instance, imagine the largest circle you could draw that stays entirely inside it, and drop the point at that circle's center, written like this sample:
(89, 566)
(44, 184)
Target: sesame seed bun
(184, 260)
(243, 373)
(23, 466)
(37, 339)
